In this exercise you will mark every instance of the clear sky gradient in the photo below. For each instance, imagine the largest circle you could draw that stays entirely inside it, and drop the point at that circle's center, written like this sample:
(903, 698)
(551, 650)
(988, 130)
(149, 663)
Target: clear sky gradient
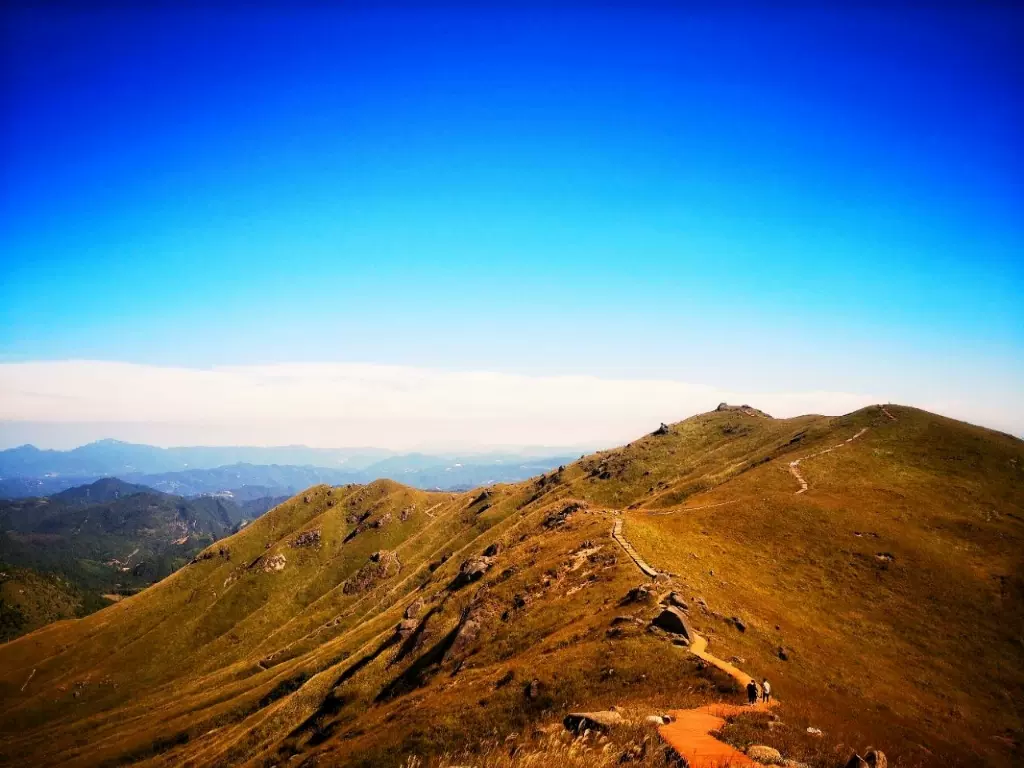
(783, 202)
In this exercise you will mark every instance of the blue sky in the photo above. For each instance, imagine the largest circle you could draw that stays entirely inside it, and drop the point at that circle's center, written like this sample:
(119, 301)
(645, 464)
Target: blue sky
(762, 202)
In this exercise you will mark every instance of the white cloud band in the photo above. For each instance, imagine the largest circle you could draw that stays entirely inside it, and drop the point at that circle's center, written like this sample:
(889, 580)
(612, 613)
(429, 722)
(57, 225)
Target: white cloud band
(345, 404)
(333, 404)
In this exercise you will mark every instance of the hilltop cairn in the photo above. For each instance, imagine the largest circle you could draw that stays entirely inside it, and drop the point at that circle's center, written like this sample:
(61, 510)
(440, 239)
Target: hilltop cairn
(744, 409)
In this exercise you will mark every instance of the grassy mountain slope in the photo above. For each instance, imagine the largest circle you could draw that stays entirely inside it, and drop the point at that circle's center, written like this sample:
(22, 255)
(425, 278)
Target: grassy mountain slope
(346, 626)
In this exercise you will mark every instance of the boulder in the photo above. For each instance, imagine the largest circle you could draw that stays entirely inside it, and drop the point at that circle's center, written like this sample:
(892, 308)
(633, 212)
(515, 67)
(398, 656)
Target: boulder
(414, 609)
(655, 719)
(739, 624)
(814, 731)
(856, 761)
(763, 754)
(876, 758)
(494, 550)
(577, 722)
(673, 620)
(783, 654)
(640, 594)
(474, 569)
(674, 598)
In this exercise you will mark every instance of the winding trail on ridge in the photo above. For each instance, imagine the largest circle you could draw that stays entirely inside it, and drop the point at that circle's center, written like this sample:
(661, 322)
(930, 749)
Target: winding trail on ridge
(794, 466)
(630, 550)
(689, 734)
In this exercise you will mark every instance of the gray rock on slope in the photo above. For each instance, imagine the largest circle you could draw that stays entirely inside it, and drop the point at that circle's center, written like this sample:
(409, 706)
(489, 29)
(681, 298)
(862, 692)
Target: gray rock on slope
(673, 620)
(577, 722)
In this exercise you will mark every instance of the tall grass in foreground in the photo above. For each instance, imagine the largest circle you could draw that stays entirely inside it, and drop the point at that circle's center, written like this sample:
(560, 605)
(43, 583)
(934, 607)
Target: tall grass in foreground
(634, 743)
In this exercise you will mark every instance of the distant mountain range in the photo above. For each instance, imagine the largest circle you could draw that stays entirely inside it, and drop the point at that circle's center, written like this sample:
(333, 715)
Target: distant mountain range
(245, 473)
(111, 537)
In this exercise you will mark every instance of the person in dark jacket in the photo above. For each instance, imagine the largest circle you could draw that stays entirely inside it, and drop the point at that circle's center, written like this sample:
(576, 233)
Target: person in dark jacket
(752, 692)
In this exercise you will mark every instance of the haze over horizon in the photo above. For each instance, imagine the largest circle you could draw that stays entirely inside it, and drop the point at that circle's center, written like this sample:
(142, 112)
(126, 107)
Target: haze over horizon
(452, 227)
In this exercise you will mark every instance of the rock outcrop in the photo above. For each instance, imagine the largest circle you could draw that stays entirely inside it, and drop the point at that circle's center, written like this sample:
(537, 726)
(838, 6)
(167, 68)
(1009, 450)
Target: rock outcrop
(577, 722)
(559, 518)
(271, 563)
(673, 620)
(744, 409)
(307, 539)
(381, 565)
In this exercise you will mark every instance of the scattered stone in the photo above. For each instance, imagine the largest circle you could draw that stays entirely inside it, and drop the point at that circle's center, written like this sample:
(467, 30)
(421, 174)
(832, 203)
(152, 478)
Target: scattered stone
(381, 521)
(271, 563)
(790, 763)
(623, 620)
(656, 719)
(856, 761)
(640, 594)
(307, 539)
(494, 550)
(577, 722)
(662, 430)
(885, 557)
(518, 601)
(744, 409)
(673, 620)
(783, 654)
(559, 518)
(381, 565)
(739, 624)
(306, 498)
(876, 758)
(763, 754)
(814, 731)
(414, 609)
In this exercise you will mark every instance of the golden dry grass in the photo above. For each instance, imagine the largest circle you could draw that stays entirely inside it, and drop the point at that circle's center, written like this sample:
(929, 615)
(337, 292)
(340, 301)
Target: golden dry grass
(230, 661)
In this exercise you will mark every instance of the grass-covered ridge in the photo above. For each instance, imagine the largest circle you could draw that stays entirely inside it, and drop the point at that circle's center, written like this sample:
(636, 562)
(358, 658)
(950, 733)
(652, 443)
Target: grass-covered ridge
(362, 624)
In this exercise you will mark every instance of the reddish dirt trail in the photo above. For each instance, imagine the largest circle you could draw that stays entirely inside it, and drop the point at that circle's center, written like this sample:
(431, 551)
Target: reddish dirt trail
(690, 736)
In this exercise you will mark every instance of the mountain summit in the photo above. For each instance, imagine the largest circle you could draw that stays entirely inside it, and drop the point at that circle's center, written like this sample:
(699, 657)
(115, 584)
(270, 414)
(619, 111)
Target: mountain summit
(856, 562)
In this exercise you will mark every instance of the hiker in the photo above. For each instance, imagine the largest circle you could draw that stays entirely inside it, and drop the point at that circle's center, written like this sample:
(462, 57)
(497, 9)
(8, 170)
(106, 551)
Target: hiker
(752, 692)
(766, 691)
